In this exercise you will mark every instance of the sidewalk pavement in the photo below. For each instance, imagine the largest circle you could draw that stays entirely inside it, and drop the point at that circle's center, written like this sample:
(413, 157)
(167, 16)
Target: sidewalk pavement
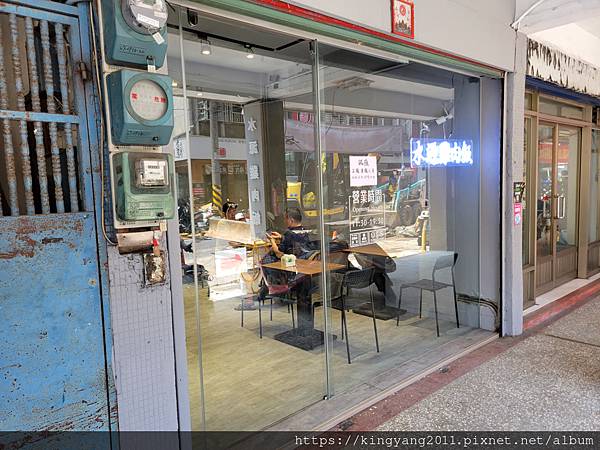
(547, 379)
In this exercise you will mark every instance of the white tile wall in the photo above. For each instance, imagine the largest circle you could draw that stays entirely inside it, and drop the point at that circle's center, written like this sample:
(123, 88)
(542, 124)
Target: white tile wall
(142, 333)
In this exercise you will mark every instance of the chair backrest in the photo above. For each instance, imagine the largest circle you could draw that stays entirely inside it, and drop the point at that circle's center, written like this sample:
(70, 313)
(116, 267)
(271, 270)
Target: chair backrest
(359, 278)
(445, 262)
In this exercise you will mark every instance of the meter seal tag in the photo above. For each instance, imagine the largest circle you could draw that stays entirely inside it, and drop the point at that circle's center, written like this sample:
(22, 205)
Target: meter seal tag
(158, 38)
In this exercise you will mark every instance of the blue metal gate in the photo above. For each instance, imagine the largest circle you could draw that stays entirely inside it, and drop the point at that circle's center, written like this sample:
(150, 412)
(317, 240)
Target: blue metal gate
(53, 348)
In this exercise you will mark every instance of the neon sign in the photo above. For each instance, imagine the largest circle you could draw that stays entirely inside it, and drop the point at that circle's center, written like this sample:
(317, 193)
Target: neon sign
(441, 152)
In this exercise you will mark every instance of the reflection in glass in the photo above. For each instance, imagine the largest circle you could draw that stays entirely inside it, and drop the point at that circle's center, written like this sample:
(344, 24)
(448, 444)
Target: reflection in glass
(247, 175)
(594, 198)
(408, 233)
(567, 163)
(525, 215)
(544, 190)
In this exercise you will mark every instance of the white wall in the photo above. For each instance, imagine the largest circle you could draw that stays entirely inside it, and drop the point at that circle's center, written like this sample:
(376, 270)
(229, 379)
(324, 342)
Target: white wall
(572, 40)
(476, 29)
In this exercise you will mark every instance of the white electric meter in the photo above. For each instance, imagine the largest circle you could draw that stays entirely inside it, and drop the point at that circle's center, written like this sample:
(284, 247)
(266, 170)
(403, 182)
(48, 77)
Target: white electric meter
(151, 173)
(148, 100)
(145, 16)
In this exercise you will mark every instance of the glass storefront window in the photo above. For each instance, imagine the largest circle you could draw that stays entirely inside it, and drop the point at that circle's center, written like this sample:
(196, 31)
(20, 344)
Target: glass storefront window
(528, 100)
(525, 213)
(556, 108)
(544, 190)
(400, 209)
(328, 235)
(594, 234)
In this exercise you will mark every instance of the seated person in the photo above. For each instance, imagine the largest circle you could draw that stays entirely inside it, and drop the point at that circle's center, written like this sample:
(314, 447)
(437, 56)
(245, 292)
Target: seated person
(295, 241)
(230, 212)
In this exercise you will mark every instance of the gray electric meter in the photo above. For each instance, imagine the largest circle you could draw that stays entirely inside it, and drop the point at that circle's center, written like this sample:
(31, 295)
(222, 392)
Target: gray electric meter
(143, 186)
(141, 107)
(135, 31)
(145, 16)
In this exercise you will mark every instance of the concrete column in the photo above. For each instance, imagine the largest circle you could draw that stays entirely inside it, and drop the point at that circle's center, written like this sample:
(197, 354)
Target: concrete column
(512, 264)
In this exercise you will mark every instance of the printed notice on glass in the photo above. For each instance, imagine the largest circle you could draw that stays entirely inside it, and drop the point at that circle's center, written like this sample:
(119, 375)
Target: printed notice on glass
(367, 217)
(363, 171)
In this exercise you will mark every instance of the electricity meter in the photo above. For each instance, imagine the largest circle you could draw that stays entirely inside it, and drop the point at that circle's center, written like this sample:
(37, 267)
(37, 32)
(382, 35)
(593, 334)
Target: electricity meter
(141, 108)
(143, 186)
(135, 31)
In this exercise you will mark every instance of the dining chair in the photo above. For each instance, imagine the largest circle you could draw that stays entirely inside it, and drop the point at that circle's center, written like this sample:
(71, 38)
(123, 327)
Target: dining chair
(443, 262)
(282, 292)
(355, 279)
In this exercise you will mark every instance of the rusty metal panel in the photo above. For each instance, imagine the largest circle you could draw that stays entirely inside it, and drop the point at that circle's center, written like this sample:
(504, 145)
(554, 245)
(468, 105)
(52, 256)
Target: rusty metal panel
(51, 341)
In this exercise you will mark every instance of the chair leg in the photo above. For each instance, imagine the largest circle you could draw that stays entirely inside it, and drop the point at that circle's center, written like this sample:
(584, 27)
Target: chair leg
(293, 320)
(374, 320)
(455, 303)
(242, 309)
(399, 304)
(260, 318)
(346, 330)
(421, 304)
(437, 326)
(271, 312)
(342, 323)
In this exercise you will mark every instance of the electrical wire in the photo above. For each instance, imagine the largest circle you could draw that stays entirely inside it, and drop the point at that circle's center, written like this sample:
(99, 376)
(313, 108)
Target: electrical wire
(102, 126)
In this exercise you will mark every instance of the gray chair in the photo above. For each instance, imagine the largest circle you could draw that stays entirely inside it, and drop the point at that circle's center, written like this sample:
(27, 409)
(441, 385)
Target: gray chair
(358, 279)
(443, 262)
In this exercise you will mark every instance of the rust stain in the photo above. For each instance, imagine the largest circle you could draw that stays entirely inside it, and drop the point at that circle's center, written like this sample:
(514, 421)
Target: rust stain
(52, 240)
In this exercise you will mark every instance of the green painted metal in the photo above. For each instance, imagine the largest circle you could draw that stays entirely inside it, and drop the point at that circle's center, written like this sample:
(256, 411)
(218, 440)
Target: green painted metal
(339, 32)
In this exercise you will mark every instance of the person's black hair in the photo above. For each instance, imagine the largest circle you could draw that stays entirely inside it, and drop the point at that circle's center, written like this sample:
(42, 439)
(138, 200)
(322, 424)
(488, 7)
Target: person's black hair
(294, 214)
(227, 206)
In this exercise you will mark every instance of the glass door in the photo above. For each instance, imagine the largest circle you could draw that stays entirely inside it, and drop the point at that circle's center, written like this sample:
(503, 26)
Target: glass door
(556, 204)
(566, 195)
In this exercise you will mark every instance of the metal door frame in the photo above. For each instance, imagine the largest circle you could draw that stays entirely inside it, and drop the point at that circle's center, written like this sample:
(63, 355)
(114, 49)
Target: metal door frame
(581, 246)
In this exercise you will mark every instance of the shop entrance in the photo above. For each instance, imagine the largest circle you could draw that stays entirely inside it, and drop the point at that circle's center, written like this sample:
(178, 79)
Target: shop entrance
(557, 206)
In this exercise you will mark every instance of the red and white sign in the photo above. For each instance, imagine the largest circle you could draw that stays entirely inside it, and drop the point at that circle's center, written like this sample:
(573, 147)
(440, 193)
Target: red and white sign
(518, 213)
(403, 18)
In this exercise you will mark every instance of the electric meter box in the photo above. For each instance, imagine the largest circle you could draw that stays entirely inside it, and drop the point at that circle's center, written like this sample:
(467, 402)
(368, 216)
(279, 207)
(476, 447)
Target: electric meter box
(143, 186)
(141, 107)
(135, 32)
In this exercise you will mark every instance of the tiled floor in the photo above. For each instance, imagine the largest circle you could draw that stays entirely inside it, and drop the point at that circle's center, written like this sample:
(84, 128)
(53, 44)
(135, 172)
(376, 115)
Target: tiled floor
(546, 382)
(251, 383)
(559, 292)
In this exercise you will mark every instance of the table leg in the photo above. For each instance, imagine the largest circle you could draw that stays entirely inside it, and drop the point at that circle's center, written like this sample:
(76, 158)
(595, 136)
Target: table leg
(304, 336)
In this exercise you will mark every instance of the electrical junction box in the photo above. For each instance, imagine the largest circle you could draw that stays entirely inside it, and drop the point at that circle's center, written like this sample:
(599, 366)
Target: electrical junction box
(135, 32)
(143, 187)
(141, 107)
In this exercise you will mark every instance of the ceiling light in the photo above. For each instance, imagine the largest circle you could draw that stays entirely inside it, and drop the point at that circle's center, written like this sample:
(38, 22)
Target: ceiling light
(205, 47)
(249, 53)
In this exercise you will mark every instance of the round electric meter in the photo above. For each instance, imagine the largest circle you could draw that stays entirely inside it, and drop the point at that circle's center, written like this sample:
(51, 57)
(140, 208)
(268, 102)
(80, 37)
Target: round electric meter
(148, 100)
(145, 16)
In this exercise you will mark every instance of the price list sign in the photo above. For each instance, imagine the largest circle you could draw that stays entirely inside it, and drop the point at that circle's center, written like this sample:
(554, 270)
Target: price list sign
(367, 216)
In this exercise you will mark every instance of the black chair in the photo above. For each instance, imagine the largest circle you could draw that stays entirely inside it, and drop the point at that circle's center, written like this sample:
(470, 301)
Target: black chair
(358, 279)
(443, 262)
(282, 292)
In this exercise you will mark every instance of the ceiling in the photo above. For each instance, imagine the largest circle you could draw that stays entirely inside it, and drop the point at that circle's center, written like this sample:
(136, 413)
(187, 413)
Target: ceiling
(534, 16)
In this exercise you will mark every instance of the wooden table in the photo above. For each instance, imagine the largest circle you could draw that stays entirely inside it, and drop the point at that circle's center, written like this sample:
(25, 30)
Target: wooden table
(304, 267)
(304, 336)
(369, 250)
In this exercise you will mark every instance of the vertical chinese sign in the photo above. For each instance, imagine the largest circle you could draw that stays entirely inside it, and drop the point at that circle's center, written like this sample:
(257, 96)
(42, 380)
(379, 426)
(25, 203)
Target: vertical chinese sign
(367, 205)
